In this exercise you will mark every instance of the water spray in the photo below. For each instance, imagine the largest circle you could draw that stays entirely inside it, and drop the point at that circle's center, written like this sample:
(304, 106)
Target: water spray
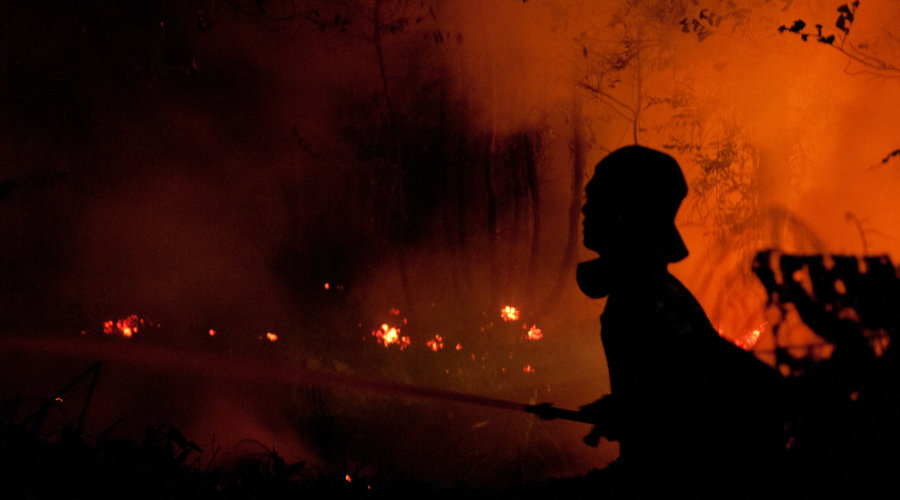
(256, 371)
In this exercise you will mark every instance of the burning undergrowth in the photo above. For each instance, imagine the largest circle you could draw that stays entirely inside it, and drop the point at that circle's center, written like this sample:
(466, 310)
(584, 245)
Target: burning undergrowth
(222, 392)
(398, 200)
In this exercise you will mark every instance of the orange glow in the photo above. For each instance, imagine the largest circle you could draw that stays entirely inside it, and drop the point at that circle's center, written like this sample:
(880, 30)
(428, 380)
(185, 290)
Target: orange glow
(395, 311)
(327, 286)
(509, 313)
(528, 369)
(534, 333)
(436, 344)
(388, 335)
(126, 326)
(748, 340)
(348, 478)
(271, 337)
(212, 333)
(459, 347)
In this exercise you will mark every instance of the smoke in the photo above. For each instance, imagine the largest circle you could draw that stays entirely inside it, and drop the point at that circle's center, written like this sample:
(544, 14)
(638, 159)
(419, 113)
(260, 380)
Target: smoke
(216, 168)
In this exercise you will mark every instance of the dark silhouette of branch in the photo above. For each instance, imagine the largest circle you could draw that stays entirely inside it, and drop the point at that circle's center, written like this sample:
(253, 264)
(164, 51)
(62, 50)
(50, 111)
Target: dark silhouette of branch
(610, 101)
(840, 42)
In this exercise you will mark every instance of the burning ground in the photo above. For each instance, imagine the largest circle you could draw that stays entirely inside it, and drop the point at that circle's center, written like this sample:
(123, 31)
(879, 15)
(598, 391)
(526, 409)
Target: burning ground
(391, 190)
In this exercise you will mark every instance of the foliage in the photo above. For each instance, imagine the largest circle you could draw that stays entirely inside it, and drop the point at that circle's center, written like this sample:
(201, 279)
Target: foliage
(858, 53)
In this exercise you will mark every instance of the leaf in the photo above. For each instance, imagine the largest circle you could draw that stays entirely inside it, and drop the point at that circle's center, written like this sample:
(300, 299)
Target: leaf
(890, 155)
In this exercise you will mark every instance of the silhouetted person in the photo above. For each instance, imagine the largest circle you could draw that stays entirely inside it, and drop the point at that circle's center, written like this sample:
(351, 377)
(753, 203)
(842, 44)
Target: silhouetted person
(689, 409)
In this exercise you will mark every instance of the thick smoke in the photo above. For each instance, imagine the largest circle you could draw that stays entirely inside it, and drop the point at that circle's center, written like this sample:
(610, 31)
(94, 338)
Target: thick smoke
(215, 168)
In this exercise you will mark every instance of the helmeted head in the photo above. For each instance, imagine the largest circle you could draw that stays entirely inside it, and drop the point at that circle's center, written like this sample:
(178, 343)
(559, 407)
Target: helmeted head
(629, 215)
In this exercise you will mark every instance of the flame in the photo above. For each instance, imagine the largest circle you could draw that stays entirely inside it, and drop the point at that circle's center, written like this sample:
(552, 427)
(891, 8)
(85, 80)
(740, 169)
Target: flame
(126, 326)
(534, 333)
(388, 335)
(436, 344)
(271, 337)
(509, 313)
(348, 478)
(748, 340)
(212, 333)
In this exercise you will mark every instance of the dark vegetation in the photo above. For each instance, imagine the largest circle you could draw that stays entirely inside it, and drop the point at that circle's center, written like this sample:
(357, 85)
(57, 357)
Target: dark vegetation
(38, 461)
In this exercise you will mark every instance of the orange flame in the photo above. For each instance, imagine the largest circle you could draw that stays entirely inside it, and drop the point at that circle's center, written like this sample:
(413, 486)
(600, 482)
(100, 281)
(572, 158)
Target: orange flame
(126, 326)
(534, 333)
(748, 340)
(212, 333)
(388, 335)
(271, 337)
(436, 344)
(509, 313)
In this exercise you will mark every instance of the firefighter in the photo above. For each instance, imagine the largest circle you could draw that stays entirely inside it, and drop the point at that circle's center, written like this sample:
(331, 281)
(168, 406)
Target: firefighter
(688, 408)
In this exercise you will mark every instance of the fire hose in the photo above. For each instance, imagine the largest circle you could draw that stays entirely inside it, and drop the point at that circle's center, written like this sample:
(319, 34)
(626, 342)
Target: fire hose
(257, 371)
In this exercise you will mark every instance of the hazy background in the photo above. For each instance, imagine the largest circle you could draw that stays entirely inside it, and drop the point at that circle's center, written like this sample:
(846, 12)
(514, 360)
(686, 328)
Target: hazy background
(214, 164)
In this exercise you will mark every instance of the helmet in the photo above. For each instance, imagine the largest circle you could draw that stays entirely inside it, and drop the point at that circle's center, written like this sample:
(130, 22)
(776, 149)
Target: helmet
(631, 205)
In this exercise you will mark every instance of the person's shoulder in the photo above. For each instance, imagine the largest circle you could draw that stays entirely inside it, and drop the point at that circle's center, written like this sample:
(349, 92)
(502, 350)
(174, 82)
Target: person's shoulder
(673, 295)
(678, 307)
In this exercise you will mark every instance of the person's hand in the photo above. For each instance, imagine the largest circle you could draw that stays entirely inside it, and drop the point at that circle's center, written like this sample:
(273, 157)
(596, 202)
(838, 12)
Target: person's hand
(604, 414)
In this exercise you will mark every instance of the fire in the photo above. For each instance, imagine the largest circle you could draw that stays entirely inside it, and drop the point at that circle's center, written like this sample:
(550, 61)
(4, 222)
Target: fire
(436, 344)
(271, 337)
(534, 333)
(388, 335)
(748, 340)
(509, 313)
(212, 333)
(126, 326)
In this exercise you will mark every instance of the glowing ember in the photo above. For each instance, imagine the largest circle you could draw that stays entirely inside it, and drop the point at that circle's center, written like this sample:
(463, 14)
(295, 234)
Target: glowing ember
(395, 311)
(271, 337)
(212, 333)
(747, 340)
(528, 369)
(388, 335)
(436, 344)
(534, 333)
(509, 313)
(459, 347)
(348, 478)
(328, 286)
(126, 326)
